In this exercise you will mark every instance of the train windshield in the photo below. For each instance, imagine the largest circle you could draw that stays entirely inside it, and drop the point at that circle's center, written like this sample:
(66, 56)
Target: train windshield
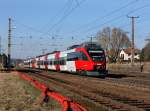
(97, 56)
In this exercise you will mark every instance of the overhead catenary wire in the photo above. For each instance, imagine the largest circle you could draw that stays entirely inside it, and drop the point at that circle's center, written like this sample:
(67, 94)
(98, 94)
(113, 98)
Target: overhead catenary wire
(108, 14)
(37, 30)
(64, 17)
(138, 22)
(134, 10)
(139, 8)
(98, 25)
(59, 26)
(66, 14)
(116, 18)
(62, 10)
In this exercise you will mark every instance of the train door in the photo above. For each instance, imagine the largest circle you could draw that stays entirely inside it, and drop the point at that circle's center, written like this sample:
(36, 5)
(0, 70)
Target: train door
(71, 58)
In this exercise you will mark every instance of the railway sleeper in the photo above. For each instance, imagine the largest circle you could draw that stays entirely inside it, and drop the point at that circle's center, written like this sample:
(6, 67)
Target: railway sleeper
(140, 104)
(103, 102)
(147, 109)
(108, 104)
(144, 106)
(116, 107)
(122, 109)
(130, 101)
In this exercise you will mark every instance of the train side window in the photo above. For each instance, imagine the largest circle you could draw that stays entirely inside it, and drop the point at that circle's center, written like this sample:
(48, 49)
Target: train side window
(62, 61)
(72, 56)
(56, 62)
(41, 62)
(45, 62)
(38, 62)
(51, 62)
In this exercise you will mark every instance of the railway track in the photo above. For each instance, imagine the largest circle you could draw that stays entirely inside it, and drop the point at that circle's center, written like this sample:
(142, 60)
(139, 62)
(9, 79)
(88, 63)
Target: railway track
(141, 83)
(107, 99)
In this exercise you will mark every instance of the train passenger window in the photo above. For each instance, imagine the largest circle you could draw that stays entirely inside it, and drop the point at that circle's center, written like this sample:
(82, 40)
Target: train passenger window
(32, 61)
(45, 62)
(56, 62)
(41, 62)
(51, 62)
(72, 56)
(62, 61)
(38, 62)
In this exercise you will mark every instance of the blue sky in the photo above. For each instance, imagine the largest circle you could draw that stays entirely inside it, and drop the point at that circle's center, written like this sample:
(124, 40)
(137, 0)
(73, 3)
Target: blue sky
(57, 24)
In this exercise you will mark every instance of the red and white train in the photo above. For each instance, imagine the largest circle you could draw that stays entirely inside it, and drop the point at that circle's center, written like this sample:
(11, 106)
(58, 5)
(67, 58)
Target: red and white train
(87, 58)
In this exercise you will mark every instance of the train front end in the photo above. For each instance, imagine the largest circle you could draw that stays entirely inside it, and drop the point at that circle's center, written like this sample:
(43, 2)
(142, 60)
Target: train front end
(97, 60)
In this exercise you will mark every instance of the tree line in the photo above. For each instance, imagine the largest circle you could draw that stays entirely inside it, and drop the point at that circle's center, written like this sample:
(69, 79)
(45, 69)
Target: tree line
(145, 52)
(115, 39)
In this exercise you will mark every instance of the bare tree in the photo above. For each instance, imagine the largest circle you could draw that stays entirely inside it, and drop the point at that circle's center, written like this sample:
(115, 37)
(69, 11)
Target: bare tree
(103, 38)
(145, 53)
(114, 40)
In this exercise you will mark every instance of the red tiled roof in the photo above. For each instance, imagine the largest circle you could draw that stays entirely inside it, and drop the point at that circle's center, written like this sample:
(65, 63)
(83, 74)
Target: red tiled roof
(128, 50)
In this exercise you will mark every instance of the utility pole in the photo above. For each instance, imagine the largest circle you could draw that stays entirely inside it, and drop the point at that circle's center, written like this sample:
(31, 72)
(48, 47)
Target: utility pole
(91, 39)
(0, 53)
(0, 45)
(9, 43)
(43, 51)
(132, 40)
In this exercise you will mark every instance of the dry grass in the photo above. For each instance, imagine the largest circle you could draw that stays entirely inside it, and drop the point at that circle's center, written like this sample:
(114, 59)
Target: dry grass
(90, 105)
(128, 68)
(19, 95)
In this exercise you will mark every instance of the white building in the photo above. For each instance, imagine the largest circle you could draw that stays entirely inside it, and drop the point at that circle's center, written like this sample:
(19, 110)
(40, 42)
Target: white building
(125, 54)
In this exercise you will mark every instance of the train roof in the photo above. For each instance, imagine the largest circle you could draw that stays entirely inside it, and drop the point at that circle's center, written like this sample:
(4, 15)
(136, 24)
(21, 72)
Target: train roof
(86, 45)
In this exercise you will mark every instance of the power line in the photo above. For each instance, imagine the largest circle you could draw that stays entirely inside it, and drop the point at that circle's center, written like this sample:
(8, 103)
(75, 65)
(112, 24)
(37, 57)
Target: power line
(134, 10)
(140, 21)
(65, 16)
(53, 26)
(116, 18)
(68, 3)
(28, 27)
(108, 14)
(39, 31)
(65, 13)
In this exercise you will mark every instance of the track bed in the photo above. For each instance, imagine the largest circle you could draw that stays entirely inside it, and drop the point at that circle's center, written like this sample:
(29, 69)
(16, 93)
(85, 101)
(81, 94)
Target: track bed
(108, 93)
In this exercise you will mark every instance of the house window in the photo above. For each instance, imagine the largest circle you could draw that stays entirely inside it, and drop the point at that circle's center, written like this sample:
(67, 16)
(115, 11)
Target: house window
(129, 54)
(122, 56)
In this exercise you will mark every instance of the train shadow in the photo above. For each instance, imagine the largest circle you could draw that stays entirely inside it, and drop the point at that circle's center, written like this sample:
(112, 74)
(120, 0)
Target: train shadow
(119, 76)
